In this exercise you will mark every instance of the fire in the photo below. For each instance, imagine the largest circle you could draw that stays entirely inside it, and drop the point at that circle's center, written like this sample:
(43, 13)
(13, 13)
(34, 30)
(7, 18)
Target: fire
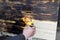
(28, 20)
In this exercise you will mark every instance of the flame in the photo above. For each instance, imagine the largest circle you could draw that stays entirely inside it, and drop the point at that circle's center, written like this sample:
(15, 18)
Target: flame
(28, 21)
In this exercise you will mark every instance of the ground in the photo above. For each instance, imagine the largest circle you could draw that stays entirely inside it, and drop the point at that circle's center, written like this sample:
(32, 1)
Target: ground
(45, 30)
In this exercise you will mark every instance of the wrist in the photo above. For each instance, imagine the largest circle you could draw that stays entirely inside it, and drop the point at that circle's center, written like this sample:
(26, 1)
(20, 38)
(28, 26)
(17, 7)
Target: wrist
(25, 35)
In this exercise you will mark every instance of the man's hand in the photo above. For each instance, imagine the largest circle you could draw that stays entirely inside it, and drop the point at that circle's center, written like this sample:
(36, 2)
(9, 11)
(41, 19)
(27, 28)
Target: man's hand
(29, 31)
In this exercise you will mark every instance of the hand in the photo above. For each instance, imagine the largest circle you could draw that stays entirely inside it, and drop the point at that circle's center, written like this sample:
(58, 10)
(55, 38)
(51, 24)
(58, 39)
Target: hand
(29, 31)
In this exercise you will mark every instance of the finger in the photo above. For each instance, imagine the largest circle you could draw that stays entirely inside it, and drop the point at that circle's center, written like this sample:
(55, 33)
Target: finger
(34, 28)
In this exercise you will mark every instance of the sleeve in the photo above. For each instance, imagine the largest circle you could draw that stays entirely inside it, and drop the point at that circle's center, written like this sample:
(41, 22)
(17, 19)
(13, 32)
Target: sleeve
(19, 37)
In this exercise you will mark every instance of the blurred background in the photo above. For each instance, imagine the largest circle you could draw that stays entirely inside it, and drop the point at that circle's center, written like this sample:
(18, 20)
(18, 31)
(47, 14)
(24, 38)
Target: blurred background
(42, 10)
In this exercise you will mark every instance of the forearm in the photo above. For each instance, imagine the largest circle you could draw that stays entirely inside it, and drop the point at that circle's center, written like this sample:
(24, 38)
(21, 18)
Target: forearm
(19, 37)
